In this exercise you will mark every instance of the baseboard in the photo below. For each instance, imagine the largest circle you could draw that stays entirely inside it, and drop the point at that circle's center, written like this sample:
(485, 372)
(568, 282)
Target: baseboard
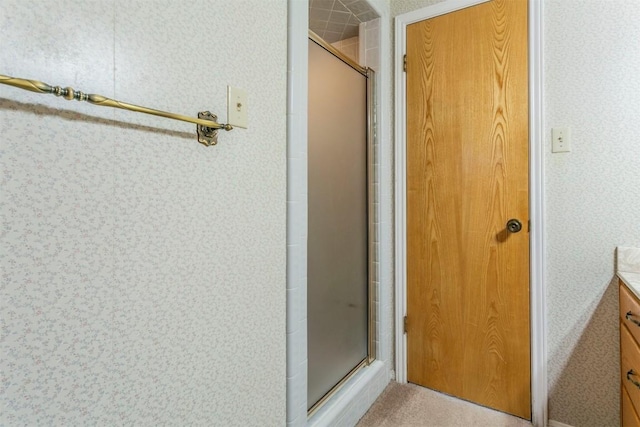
(554, 423)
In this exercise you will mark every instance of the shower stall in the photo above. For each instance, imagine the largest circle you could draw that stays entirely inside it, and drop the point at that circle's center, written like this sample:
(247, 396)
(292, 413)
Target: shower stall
(339, 292)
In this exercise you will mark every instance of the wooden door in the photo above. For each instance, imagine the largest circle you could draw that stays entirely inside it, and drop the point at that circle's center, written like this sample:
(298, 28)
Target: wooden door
(467, 175)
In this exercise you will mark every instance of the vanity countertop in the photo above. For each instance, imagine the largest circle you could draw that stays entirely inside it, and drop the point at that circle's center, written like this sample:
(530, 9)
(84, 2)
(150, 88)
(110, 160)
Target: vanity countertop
(628, 268)
(632, 280)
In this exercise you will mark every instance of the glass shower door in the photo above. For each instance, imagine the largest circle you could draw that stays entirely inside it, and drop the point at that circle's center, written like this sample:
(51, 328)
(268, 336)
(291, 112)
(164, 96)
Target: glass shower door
(338, 262)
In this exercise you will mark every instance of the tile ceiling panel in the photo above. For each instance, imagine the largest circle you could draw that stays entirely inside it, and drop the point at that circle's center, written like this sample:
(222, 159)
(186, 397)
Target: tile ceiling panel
(336, 20)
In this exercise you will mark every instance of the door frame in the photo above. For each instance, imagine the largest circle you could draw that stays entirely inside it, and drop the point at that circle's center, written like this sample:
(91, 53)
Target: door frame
(536, 197)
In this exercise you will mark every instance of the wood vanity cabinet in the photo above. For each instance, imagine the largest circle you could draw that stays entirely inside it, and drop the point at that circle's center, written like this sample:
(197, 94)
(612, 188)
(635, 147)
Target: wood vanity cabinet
(629, 358)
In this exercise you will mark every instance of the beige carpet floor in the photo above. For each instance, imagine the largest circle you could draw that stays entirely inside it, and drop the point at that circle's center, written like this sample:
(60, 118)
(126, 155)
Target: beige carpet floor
(410, 405)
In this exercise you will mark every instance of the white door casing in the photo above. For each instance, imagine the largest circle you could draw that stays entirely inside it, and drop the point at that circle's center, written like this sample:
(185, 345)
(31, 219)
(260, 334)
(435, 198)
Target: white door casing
(536, 181)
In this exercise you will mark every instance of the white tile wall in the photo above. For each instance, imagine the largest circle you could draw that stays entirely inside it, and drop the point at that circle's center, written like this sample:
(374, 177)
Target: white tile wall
(350, 47)
(370, 48)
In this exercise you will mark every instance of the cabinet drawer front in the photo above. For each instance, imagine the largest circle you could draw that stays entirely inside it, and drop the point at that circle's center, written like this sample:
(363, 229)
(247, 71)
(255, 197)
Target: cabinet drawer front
(629, 415)
(630, 311)
(630, 361)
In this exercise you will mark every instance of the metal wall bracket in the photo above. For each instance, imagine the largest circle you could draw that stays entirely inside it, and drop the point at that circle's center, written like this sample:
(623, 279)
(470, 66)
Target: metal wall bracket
(207, 136)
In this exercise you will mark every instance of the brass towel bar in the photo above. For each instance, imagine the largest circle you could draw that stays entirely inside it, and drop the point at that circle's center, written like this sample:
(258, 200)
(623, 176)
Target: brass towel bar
(207, 125)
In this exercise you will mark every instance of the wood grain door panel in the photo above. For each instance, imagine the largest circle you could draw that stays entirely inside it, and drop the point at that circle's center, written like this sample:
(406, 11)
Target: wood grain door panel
(467, 175)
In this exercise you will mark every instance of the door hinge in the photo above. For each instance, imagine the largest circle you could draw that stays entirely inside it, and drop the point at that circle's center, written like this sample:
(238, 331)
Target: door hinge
(406, 322)
(529, 225)
(404, 63)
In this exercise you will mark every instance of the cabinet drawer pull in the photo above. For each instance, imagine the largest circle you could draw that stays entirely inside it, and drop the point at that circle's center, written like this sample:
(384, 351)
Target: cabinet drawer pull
(634, 382)
(630, 317)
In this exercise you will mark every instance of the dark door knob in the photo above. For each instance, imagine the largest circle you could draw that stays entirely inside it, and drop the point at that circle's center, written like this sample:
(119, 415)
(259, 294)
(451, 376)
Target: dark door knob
(514, 226)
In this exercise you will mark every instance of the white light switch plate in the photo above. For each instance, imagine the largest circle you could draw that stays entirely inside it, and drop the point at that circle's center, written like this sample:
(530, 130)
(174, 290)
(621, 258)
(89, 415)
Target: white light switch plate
(237, 107)
(561, 140)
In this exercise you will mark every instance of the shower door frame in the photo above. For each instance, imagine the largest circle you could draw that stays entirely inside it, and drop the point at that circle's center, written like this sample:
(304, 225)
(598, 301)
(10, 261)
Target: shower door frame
(369, 75)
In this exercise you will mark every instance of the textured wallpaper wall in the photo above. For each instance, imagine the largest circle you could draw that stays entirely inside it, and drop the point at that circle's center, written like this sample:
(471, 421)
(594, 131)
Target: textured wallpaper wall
(592, 60)
(143, 275)
(592, 64)
(399, 7)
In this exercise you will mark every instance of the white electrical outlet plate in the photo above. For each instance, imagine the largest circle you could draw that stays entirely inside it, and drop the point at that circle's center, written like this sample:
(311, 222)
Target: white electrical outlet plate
(237, 107)
(560, 140)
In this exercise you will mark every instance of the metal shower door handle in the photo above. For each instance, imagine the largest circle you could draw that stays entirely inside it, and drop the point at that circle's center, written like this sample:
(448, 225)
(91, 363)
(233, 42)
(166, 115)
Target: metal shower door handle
(514, 226)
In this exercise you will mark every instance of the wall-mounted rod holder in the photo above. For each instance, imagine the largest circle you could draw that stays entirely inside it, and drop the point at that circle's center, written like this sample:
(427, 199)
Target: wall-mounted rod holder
(207, 125)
